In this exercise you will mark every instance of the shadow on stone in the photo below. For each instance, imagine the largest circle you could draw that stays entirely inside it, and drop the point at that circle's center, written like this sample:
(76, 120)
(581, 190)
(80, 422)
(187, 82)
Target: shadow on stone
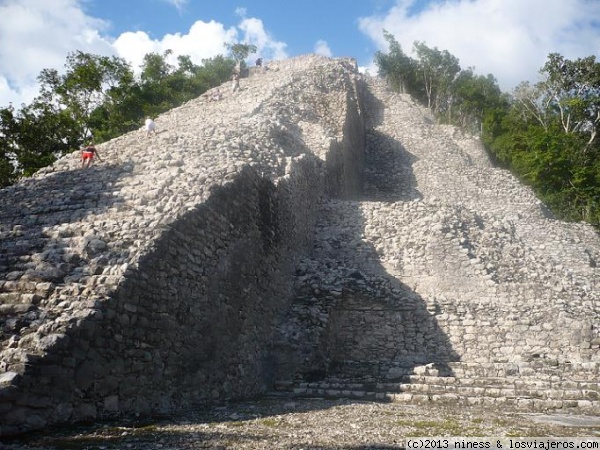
(187, 324)
(388, 172)
(351, 320)
(249, 425)
(39, 227)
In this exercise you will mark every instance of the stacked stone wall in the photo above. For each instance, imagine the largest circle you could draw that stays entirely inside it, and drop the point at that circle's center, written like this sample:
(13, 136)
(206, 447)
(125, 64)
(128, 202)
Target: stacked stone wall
(153, 281)
(311, 226)
(444, 260)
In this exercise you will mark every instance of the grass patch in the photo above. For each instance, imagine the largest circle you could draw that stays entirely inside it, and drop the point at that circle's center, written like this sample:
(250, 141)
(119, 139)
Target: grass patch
(237, 423)
(426, 424)
(271, 423)
(438, 427)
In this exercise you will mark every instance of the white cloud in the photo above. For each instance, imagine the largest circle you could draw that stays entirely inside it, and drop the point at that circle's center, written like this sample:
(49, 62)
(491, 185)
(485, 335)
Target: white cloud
(254, 33)
(204, 40)
(179, 4)
(508, 38)
(322, 48)
(50, 30)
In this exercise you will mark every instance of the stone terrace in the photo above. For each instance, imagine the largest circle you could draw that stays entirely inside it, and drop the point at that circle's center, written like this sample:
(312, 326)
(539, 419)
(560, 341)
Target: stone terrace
(314, 232)
(154, 279)
(447, 280)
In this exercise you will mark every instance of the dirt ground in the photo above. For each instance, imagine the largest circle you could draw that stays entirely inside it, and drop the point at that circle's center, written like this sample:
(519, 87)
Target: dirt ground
(308, 424)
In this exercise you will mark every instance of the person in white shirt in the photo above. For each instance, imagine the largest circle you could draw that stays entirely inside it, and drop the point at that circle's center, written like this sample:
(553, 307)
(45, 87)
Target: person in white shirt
(235, 82)
(216, 95)
(150, 126)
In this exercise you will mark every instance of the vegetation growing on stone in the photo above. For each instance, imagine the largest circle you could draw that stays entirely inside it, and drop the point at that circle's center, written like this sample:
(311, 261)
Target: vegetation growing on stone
(545, 133)
(97, 97)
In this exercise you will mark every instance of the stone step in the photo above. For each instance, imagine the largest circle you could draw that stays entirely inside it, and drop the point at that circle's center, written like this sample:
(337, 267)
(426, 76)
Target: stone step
(585, 396)
(539, 370)
(429, 383)
(23, 287)
(518, 403)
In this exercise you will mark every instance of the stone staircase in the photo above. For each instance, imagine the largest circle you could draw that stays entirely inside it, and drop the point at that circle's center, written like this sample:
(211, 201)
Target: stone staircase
(445, 282)
(121, 283)
(522, 387)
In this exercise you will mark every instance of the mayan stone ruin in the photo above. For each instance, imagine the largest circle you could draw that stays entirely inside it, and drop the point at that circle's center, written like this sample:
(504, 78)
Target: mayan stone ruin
(312, 234)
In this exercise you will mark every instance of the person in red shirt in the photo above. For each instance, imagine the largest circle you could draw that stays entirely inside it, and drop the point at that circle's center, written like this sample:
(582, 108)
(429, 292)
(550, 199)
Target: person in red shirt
(87, 155)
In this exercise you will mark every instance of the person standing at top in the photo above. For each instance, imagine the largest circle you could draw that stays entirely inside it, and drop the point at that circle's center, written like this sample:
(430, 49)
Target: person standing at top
(87, 155)
(235, 81)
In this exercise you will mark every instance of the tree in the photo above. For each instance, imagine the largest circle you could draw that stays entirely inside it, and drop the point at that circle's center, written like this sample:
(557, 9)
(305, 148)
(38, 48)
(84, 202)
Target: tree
(241, 51)
(532, 104)
(32, 138)
(573, 89)
(165, 86)
(547, 137)
(155, 67)
(471, 98)
(8, 126)
(156, 92)
(120, 113)
(454, 95)
(437, 70)
(398, 68)
(215, 71)
(87, 83)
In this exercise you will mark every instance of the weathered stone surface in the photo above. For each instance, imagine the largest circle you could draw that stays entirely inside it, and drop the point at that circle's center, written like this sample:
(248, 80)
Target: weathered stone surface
(312, 226)
(154, 280)
(443, 258)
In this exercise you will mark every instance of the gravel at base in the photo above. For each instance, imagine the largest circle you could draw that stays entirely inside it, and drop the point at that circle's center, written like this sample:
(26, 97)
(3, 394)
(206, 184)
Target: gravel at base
(300, 424)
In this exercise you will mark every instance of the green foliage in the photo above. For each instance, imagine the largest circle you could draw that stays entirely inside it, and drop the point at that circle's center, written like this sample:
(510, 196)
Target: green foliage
(87, 82)
(572, 89)
(32, 138)
(164, 86)
(241, 51)
(545, 133)
(155, 67)
(562, 168)
(97, 97)
(436, 70)
(8, 126)
(436, 79)
(215, 70)
(399, 69)
(475, 101)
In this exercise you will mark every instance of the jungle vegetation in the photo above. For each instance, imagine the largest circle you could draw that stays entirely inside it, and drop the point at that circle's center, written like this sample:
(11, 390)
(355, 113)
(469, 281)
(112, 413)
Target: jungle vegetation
(98, 98)
(545, 133)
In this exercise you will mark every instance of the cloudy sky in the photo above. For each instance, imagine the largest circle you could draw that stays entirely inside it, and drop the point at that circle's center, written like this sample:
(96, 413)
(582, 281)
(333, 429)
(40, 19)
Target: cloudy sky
(508, 38)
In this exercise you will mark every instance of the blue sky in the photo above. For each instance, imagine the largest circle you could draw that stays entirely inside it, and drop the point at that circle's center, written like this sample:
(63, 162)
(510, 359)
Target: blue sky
(508, 38)
(300, 24)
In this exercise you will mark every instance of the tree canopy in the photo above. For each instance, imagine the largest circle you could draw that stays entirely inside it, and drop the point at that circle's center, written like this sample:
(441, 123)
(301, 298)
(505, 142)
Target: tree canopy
(546, 133)
(241, 51)
(99, 98)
